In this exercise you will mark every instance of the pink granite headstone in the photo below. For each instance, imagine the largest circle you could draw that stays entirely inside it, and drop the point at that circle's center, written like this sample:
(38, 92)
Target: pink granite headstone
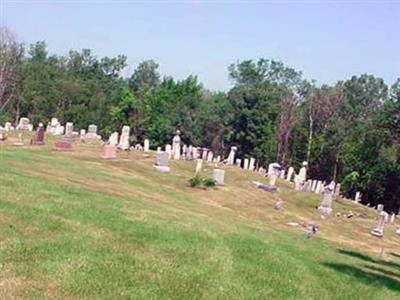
(62, 145)
(109, 152)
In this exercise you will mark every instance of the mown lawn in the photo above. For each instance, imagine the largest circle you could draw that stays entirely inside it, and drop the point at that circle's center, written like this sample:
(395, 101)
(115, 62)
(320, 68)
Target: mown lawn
(73, 226)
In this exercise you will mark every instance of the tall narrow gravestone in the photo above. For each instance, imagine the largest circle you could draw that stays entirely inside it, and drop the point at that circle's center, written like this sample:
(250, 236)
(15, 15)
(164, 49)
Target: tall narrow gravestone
(231, 157)
(251, 164)
(290, 174)
(69, 128)
(146, 145)
(124, 139)
(219, 176)
(176, 146)
(378, 231)
(38, 138)
(199, 165)
(246, 164)
(162, 162)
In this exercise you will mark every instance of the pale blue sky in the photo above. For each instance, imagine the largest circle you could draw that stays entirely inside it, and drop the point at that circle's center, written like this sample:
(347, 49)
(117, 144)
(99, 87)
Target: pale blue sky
(327, 40)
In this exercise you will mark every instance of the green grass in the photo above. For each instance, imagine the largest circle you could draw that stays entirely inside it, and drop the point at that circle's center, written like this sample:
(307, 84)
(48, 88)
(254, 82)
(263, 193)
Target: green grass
(73, 226)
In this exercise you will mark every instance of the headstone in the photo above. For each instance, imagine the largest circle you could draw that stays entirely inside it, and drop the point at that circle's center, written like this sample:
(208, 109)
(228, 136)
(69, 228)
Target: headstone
(38, 138)
(282, 174)
(146, 145)
(69, 128)
(184, 151)
(8, 126)
(159, 150)
(308, 185)
(290, 174)
(113, 139)
(176, 146)
(336, 195)
(218, 159)
(302, 176)
(162, 162)
(92, 132)
(238, 162)
(314, 185)
(82, 132)
(194, 153)
(378, 231)
(380, 207)
(109, 152)
(326, 204)
(62, 145)
(392, 218)
(199, 165)
(319, 187)
(124, 139)
(168, 150)
(219, 176)
(246, 164)
(274, 170)
(251, 164)
(204, 154)
(210, 157)
(231, 156)
(265, 187)
(357, 198)
(24, 124)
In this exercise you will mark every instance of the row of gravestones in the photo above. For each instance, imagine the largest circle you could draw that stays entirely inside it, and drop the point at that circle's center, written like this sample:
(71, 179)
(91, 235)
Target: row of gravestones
(162, 162)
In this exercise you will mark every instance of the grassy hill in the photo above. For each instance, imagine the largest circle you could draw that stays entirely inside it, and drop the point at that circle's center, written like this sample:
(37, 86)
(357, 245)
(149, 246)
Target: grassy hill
(74, 226)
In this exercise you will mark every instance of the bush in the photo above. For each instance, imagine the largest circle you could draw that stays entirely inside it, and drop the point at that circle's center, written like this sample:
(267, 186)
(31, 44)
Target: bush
(195, 181)
(209, 182)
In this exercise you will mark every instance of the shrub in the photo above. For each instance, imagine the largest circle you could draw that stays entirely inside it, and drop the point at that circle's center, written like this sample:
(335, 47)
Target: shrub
(195, 181)
(209, 182)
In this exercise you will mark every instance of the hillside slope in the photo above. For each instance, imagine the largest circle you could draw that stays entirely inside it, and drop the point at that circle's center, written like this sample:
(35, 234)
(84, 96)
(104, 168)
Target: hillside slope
(74, 226)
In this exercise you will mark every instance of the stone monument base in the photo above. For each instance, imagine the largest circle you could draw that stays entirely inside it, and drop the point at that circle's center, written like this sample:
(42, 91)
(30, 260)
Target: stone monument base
(325, 210)
(162, 169)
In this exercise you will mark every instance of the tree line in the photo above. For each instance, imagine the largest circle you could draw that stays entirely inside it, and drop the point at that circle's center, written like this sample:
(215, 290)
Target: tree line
(348, 132)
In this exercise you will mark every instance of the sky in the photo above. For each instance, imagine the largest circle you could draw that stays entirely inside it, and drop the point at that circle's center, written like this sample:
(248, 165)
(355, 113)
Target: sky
(326, 40)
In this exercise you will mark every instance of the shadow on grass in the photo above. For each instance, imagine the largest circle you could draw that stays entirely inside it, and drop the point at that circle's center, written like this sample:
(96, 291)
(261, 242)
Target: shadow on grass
(384, 271)
(369, 258)
(366, 277)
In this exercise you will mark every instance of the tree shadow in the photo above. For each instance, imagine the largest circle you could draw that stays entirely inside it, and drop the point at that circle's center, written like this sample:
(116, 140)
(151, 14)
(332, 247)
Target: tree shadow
(366, 277)
(369, 258)
(384, 271)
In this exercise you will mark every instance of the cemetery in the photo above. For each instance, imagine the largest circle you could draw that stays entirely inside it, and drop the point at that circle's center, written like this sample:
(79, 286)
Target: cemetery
(92, 212)
(199, 150)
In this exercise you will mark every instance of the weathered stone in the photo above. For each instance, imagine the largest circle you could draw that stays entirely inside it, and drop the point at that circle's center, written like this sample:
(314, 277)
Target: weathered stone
(378, 231)
(124, 143)
(113, 139)
(290, 174)
(62, 145)
(38, 138)
(199, 165)
(176, 146)
(109, 152)
(162, 162)
(231, 156)
(326, 205)
(219, 176)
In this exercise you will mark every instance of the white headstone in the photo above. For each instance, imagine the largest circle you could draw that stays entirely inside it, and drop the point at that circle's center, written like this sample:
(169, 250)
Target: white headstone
(146, 145)
(290, 174)
(251, 164)
(69, 128)
(246, 164)
(176, 146)
(219, 176)
(168, 149)
(113, 139)
(124, 139)
(231, 157)
(199, 165)
(326, 204)
(378, 231)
